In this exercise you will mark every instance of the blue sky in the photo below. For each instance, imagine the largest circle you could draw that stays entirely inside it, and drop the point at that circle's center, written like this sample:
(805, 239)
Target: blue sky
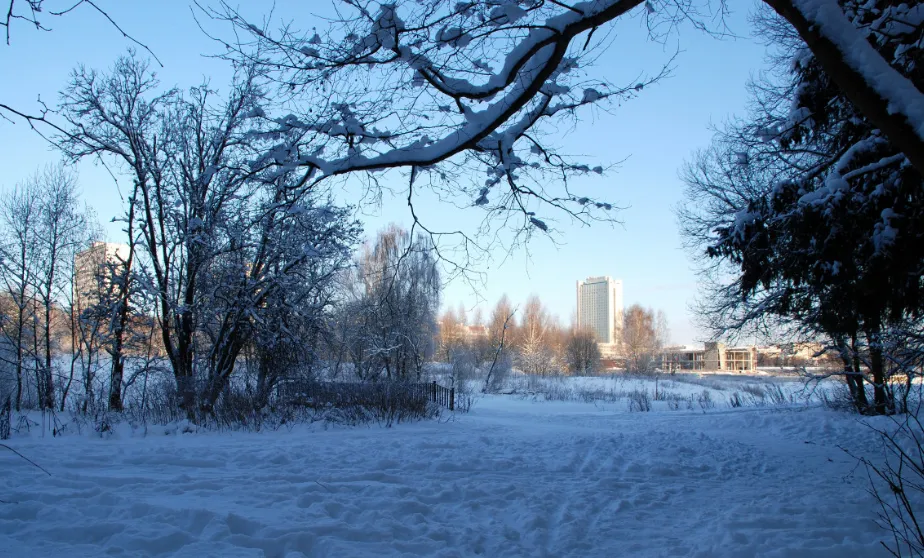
(655, 133)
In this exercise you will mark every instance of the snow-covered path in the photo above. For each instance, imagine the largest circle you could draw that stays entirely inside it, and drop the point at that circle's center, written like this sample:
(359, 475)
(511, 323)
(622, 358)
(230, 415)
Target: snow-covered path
(513, 478)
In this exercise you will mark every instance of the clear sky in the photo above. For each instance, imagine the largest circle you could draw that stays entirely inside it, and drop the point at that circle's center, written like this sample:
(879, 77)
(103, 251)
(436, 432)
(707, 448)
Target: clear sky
(655, 133)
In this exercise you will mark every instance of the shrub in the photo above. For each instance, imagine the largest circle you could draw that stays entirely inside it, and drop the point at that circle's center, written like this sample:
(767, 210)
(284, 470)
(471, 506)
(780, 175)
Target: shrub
(639, 401)
(734, 400)
(705, 400)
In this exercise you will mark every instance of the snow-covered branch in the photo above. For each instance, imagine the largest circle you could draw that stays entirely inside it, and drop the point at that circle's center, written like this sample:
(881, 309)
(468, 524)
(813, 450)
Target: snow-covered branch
(439, 87)
(885, 96)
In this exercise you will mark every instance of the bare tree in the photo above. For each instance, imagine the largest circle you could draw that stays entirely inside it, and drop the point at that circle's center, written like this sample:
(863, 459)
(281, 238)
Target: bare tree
(518, 63)
(44, 223)
(34, 13)
(294, 319)
(451, 335)
(400, 289)
(500, 325)
(536, 355)
(64, 226)
(582, 353)
(642, 339)
(20, 215)
(212, 219)
(109, 308)
(524, 53)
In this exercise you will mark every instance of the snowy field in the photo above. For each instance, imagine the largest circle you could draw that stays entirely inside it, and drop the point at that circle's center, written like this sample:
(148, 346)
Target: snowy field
(515, 477)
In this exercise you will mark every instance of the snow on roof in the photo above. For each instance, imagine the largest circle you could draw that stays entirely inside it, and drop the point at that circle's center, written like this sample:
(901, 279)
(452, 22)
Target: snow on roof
(684, 349)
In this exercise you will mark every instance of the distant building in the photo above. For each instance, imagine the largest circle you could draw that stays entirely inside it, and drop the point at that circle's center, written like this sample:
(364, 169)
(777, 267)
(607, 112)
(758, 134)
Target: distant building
(475, 331)
(600, 310)
(794, 355)
(683, 357)
(714, 357)
(93, 270)
(452, 333)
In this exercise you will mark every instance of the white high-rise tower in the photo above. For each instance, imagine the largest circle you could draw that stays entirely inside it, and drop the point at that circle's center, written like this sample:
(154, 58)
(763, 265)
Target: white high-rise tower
(599, 308)
(93, 271)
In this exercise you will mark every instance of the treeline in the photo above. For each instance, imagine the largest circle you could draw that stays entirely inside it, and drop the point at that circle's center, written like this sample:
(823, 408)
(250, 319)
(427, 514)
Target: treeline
(232, 303)
(214, 314)
(535, 342)
(526, 337)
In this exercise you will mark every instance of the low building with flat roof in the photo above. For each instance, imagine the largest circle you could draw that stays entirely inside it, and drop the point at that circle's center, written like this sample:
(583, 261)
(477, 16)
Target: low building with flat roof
(714, 356)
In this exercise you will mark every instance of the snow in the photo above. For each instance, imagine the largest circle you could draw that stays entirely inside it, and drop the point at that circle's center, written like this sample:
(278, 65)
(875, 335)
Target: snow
(884, 234)
(454, 36)
(591, 95)
(515, 477)
(900, 93)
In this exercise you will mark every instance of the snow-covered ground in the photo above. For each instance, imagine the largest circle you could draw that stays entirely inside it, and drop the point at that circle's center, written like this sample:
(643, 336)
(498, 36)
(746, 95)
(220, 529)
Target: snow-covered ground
(515, 477)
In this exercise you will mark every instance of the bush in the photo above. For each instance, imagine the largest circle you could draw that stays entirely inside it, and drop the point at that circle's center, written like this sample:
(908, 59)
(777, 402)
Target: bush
(705, 400)
(838, 398)
(734, 400)
(384, 402)
(639, 401)
(776, 395)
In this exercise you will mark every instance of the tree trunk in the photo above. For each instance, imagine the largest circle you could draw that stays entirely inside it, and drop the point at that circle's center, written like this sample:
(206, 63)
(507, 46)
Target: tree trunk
(265, 377)
(852, 375)
(66, 388)
(121, 322)
(181, 359)
(49, 377)
(19, 384)
(88, 383)
(19, 367)
(115, 381)
(888, 99)
(186, 393)
(877, 367)
(40, 384)
(224, 367)
(862, 402)
(117, 371)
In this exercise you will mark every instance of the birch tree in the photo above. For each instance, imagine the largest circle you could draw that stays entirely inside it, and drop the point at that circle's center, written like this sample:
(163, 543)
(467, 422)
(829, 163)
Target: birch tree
(400, 283)
(20, 214)
(536, 355)
(44, 225)
(643, 337)
(65, 225)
